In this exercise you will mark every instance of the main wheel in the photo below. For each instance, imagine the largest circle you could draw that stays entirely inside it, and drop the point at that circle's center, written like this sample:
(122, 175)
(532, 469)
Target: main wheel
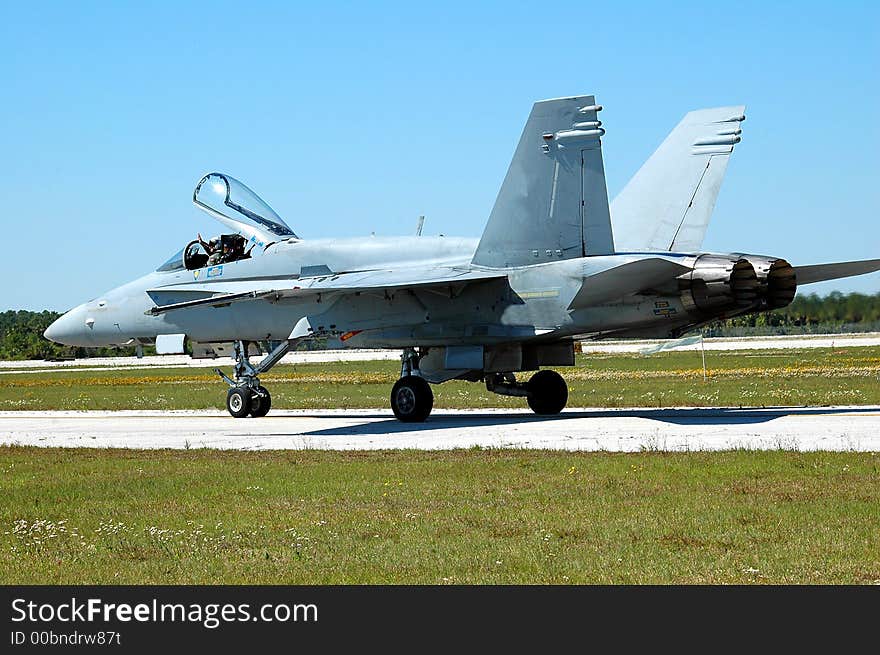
(412, 399)
(238, 401)
(260, 402)
(548, 393)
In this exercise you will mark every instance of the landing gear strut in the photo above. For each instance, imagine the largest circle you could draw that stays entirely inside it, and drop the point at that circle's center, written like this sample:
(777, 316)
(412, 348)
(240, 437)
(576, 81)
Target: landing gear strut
(546, 391)
(411, 396)
(246, 396)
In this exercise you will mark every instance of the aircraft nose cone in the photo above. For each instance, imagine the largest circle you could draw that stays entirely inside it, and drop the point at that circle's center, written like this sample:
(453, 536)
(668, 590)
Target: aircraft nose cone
(52, 333)
(69, 329)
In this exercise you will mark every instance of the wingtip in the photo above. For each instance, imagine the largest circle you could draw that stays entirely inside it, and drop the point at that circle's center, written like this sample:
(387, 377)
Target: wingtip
(587, 98)
(727, 114)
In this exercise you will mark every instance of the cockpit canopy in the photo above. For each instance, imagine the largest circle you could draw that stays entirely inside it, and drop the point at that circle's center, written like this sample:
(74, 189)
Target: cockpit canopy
(255, 224)
(235, 205)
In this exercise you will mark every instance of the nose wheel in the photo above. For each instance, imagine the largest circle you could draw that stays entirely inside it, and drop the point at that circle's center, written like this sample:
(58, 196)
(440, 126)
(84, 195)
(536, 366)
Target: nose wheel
(244, 401)
(261, 402)
(238, 401)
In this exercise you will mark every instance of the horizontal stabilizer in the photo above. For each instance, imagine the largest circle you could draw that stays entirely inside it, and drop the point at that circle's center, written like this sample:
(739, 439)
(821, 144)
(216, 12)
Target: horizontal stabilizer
(823, 272)
(626, 279)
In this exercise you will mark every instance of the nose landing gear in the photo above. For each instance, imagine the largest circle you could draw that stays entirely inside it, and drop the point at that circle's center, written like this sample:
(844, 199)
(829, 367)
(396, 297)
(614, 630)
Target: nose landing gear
(246, 396)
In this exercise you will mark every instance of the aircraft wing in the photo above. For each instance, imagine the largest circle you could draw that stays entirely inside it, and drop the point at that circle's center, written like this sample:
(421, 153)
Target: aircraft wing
(440, 279)
(823, 272)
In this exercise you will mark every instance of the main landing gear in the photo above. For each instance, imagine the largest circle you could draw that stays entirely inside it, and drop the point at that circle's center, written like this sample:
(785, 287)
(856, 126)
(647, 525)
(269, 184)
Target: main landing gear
(546, 391)
(411, 396)
(246, 396)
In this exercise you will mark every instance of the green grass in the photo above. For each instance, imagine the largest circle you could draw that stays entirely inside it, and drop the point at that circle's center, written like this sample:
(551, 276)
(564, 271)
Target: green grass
(744, 378)
(477, 516)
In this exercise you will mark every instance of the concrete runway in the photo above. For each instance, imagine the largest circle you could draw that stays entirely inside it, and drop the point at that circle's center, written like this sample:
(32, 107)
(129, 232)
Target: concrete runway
(789, 428)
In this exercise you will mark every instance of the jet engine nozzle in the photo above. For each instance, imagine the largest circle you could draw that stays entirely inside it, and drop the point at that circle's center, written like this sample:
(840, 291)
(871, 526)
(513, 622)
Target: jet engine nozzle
(777, 281)
(719, 284)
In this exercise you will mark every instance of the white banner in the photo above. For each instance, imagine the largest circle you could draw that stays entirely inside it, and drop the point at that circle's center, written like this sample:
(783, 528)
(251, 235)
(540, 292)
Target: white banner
(672, 344)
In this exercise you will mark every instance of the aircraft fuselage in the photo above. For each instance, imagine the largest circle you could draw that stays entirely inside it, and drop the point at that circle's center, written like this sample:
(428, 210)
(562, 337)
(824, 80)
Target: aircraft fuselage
(529, 303)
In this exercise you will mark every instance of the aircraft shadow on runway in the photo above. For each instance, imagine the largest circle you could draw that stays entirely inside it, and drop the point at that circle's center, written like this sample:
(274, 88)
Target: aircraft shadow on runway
(695, 416)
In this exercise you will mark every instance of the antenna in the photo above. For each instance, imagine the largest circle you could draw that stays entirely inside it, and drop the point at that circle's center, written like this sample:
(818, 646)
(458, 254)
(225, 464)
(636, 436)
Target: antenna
(420, 225)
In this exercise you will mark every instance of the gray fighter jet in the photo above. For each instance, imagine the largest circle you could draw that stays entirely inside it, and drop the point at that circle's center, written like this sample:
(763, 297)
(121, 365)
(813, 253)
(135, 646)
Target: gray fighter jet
(554, 265)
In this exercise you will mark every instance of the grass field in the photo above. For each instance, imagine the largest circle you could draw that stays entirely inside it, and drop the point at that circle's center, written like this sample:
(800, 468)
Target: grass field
(477, 516)
(736, 378)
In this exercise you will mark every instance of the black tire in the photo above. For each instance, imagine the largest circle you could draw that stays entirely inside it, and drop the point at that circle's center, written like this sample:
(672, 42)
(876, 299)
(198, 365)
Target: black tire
(548, 393)
(261, 403)
(238, 401)
(412, 399)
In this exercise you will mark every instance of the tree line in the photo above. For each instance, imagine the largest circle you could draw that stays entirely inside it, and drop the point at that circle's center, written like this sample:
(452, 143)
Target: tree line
(21, 332)
(807, 314)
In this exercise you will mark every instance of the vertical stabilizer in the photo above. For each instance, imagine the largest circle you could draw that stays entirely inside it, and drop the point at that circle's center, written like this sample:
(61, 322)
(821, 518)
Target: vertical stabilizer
(553, 203)
(667, 205)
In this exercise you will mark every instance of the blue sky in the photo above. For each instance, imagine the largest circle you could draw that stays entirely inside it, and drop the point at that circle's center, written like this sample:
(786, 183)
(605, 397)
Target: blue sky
(356, 118)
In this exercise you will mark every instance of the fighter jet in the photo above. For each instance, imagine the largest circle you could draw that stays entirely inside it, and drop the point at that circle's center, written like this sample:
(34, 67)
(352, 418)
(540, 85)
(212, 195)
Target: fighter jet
(556, 264)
